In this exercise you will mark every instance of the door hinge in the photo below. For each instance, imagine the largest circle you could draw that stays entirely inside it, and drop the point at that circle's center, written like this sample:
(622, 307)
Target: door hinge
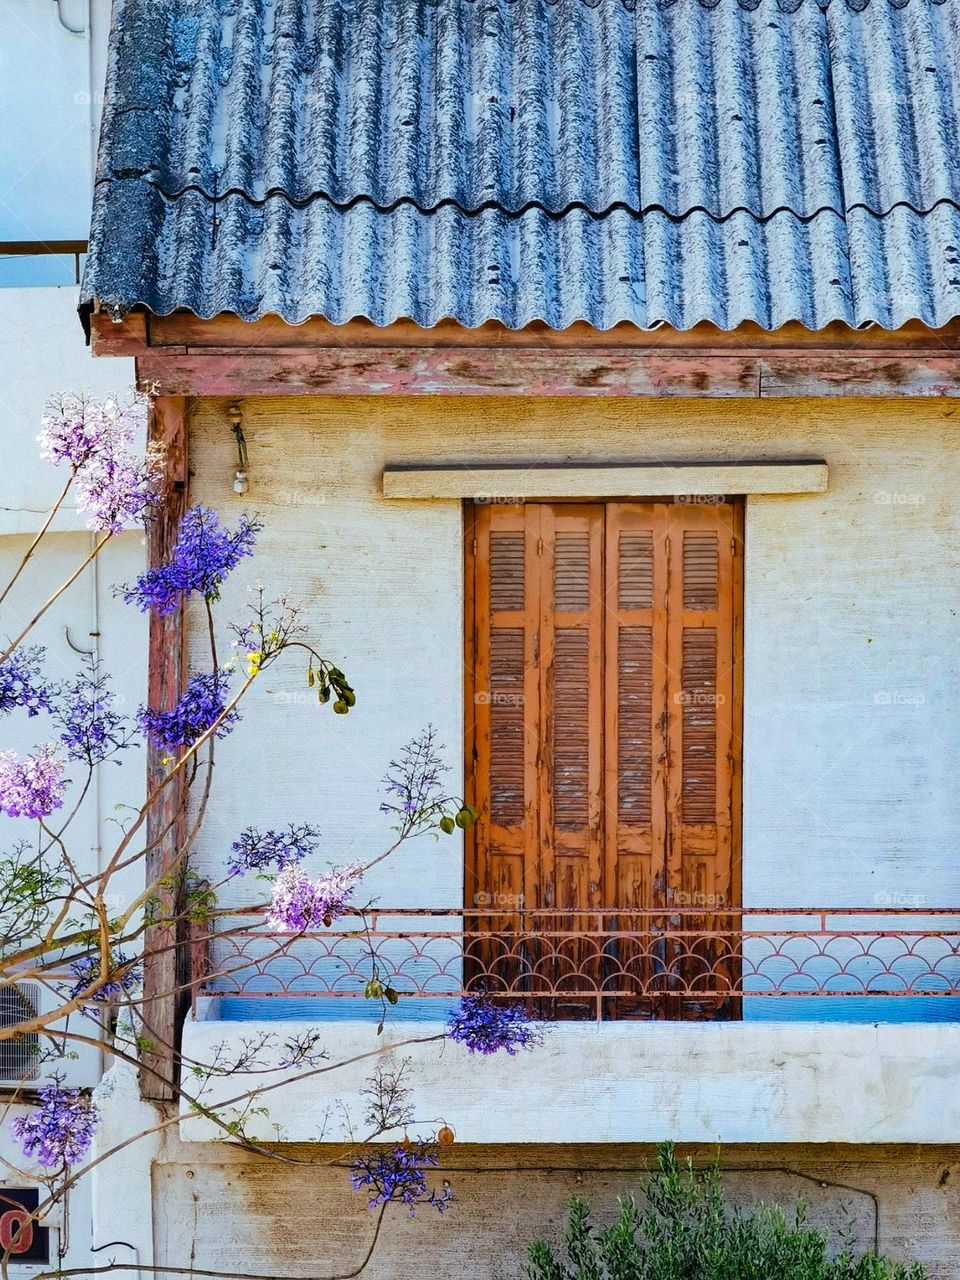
(539, 546)
(474, 547)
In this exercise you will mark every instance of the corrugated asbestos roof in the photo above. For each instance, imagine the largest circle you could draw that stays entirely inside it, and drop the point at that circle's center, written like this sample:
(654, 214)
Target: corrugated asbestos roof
(517, 160)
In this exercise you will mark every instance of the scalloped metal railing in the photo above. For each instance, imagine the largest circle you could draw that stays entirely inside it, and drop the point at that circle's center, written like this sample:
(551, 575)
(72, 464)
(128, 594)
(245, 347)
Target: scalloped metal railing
(610, 963)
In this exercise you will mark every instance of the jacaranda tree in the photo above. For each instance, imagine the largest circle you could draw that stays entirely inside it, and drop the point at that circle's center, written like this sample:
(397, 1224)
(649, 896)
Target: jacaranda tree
(55, 925)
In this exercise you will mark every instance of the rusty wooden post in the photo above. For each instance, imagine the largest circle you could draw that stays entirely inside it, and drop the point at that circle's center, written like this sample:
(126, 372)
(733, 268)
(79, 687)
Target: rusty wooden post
(163, 963)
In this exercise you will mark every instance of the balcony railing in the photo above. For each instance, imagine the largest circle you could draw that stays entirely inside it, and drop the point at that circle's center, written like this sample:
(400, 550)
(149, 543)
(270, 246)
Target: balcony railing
(41, 262)
(689, 964)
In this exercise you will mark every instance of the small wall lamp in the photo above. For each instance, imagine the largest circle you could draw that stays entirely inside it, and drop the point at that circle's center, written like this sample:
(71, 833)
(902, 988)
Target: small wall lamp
(241, 478)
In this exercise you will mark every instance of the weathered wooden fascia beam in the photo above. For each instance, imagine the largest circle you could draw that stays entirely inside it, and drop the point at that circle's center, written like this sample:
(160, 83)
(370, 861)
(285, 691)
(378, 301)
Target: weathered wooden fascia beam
(225, 356)
(546, 372)
(163, 966)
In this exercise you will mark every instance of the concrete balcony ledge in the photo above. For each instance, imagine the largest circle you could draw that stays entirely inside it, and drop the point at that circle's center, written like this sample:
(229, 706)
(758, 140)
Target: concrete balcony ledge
(616, 1082)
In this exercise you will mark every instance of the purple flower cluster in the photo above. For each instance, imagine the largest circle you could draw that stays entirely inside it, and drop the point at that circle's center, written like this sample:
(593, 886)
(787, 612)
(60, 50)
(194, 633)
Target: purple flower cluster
(92, 730)
(75, 429)
(414, 781)
(485, 1027)
(334, 890)
(204, 555)
(200, 705)
(299, 903)
(294, 904)
(126, 977)
(118, 491)
(399, 1176)
(20, 683)
(32, 787)
(115, 484)
(271, 850)
(60, 1131)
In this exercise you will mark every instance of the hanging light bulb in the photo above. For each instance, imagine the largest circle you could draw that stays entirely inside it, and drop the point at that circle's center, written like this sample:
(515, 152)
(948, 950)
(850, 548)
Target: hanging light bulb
(241, 478)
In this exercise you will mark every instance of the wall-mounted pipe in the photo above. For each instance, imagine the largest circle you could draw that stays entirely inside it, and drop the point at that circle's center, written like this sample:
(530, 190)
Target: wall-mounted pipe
(74, 31)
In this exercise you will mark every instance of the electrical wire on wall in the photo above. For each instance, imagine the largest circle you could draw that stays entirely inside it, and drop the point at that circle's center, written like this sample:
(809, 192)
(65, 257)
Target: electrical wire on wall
(759, 1169)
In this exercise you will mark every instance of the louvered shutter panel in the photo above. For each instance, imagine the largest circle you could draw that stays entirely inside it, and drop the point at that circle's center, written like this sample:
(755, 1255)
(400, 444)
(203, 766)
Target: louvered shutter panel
(636, 693)
(571, 655)
(700, 651)
(703, 782)
(505, 709)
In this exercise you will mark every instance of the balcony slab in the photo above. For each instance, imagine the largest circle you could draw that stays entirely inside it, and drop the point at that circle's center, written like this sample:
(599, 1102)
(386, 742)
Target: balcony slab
(766, 1082)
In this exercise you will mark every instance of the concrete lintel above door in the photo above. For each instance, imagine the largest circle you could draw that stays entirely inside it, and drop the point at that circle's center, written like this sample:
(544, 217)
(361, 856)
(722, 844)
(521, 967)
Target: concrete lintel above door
(603, 480)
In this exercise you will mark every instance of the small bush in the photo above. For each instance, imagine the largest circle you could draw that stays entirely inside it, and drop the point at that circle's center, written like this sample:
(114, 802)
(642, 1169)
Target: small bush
(685, 1230)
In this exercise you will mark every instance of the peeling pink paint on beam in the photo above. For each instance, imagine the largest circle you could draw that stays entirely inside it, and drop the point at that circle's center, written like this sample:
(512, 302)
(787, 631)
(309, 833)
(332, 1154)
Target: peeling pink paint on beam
(485, 371)
(542, 372)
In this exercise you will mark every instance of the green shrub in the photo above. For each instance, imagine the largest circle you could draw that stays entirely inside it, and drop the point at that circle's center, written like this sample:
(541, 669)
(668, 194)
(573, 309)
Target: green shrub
(685, 1230)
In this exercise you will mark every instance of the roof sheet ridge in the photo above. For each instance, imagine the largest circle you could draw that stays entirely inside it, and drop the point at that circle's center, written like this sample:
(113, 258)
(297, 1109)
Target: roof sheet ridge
(493, 206)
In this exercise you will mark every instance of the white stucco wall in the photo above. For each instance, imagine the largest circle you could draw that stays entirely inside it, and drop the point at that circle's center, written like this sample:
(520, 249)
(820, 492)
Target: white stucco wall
(852, 737)
(50, 103)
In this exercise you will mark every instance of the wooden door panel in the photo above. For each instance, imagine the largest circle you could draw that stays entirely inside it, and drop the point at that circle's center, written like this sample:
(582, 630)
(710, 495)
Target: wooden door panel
(502, 657)
(704, 751)
(571, 772)
(635, 696)
(636, 688)
(571, 691)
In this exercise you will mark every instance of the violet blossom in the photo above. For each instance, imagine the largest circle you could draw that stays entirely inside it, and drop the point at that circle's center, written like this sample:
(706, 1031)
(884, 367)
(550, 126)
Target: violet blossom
(294, 904)
(117, 490)
(76, 429)
(32, 787)
(205, 553)
(399, 1176)
(92, 730)
(483, 1026)
(20, 683)
(198, 708)
(115, 482)
(261, 851)
(414, 784)
(60, 1131)
(125, 977)
(299, 903)
(334, 890)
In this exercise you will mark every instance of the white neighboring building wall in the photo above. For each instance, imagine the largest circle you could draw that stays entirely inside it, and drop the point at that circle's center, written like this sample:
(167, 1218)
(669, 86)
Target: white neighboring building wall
(52, 69)
(43, 353)
(50, 100)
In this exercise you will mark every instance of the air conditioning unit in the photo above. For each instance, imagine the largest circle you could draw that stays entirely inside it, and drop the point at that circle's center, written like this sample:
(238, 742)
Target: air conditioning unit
(32, 1060)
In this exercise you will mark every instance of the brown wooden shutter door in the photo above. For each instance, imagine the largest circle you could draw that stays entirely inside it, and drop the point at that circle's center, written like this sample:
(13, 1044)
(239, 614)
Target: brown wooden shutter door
(604, 744)
(700, 649)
